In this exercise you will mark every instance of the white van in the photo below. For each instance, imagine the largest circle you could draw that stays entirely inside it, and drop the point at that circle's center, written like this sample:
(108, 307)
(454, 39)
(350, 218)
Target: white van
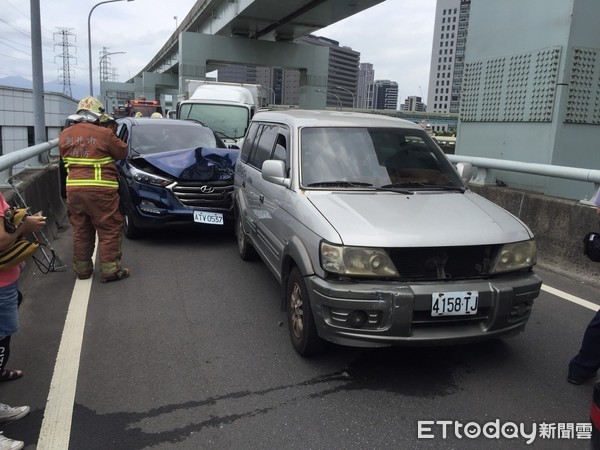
(375, 237)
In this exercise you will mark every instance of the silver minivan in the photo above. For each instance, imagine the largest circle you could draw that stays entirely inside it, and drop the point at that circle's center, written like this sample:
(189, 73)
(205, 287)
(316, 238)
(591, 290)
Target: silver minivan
(375, 237)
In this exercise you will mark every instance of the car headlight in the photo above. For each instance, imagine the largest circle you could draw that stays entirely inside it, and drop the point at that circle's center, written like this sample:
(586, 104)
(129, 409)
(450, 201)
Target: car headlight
(515, 256)
(148, 178)
(356, 261)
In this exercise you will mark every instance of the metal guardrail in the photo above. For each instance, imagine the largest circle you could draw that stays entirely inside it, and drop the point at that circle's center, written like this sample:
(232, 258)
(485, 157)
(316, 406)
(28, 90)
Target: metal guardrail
(7, 162)
(569, 173)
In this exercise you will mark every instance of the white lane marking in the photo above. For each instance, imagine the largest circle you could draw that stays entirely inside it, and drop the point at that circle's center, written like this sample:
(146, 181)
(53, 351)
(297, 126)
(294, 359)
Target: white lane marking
(571, 298)
(55, 432)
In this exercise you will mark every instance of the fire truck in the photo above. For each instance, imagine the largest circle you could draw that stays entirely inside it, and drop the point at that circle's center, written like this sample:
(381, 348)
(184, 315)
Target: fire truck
(141, 105)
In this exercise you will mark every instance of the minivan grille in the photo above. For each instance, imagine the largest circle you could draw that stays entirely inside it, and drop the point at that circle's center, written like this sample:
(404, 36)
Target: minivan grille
(443, 263)
(202, 194)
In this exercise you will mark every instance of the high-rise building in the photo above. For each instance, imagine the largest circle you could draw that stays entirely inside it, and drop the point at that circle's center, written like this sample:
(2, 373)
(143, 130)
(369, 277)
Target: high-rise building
(385, 94)
(342, 76)
(448, 55)
(364, 95)
(413, 103)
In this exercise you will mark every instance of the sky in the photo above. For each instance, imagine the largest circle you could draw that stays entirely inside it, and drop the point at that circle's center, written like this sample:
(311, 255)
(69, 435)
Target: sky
(395, 36)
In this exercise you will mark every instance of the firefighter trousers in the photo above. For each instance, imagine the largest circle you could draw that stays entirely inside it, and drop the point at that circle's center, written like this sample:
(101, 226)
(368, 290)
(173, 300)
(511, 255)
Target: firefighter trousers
(91, 211)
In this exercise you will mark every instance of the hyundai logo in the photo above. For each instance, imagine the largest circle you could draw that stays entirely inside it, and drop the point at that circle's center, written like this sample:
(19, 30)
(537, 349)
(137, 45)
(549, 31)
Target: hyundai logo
(207, 189)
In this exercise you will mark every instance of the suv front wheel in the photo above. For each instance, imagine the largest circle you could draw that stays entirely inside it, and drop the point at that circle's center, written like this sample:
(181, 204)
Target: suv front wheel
(301, 323)
(245, 250)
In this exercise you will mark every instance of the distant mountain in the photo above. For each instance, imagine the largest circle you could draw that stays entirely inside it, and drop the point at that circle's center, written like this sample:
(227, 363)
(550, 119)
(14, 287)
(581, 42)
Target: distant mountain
(77, 91)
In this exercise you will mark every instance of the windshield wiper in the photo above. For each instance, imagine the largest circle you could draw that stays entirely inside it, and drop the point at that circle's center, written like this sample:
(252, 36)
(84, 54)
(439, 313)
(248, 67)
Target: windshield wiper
(339, 183)
(419, 185)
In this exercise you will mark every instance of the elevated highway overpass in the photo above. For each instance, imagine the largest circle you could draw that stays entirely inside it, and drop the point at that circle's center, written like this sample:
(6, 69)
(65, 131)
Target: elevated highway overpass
(255, 32)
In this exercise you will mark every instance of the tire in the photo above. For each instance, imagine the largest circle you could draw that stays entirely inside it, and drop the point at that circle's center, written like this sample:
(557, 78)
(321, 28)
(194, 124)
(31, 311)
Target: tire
(245, 249)
(301, 323)
(129, 229)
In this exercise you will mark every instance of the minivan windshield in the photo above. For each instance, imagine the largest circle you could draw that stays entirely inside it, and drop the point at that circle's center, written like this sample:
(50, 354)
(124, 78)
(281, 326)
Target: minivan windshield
(389, 158)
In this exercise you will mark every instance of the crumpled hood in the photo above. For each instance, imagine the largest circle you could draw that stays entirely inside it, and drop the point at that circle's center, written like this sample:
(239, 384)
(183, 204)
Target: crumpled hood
(420, 220)
(201, 164)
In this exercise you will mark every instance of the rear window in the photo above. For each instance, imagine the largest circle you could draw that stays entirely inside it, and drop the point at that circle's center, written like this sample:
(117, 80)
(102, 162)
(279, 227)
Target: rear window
(146, 140)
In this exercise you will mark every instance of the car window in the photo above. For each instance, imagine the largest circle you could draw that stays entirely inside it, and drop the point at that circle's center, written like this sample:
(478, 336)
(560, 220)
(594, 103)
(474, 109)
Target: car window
(248, 142)
(123, 132)
(281, 152)
(156, 139)
(264, 145)
(377, 157)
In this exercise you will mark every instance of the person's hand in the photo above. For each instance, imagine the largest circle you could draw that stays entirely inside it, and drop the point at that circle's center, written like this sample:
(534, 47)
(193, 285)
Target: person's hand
(31, 224)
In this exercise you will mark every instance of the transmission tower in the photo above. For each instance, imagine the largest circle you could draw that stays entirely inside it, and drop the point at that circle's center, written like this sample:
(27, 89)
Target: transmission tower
(105, 69)
(64, 74)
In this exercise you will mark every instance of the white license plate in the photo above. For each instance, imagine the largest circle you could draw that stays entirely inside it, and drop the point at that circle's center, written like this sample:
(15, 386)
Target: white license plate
(208, 217)
(460, 303)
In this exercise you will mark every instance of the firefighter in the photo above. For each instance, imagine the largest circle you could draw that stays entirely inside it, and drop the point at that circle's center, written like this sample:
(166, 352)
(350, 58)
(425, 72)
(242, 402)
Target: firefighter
(89, 152)
(109, 122)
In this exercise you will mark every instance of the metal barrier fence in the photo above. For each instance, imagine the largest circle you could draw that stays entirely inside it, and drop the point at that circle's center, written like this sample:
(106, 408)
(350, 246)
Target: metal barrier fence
(42, 151)
(570, 173)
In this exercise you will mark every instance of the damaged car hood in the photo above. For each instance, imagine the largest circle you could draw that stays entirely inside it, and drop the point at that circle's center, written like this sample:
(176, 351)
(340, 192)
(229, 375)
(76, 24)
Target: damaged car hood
(202, 164)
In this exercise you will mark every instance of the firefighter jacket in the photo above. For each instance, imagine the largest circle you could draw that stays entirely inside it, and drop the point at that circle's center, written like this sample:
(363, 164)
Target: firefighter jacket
(89, 152)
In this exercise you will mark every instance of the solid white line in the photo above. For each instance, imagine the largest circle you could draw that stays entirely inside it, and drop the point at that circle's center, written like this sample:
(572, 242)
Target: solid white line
(571, 298)
(58, 414)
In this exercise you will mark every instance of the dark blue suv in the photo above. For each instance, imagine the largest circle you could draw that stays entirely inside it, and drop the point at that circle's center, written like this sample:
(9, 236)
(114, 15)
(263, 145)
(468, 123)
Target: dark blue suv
(177, 172)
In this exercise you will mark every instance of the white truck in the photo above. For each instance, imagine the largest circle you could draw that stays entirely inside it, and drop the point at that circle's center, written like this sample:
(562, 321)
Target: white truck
(224, 107)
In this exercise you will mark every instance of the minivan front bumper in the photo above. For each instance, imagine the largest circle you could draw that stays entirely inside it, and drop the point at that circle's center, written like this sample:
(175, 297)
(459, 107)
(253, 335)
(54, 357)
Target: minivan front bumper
(399, 313)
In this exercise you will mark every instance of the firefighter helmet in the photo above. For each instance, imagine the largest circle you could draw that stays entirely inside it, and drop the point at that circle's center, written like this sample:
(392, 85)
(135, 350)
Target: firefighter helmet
(105, 118)
(91, 105)
(156, 115)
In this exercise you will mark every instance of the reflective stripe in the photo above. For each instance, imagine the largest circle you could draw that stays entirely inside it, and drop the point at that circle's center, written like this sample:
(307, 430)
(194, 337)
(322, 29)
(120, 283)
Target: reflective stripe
(88, 161)
(97, 164)
(102, 183)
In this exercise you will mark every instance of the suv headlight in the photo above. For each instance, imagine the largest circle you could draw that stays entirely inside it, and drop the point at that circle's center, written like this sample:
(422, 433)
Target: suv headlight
(356, 261)
(515, 256)
(147, 178)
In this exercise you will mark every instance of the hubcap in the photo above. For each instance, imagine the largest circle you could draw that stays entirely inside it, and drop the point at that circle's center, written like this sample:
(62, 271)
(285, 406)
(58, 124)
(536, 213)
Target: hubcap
(297, 313)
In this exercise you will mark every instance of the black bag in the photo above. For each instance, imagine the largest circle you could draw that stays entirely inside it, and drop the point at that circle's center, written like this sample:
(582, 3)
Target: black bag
(591, 246)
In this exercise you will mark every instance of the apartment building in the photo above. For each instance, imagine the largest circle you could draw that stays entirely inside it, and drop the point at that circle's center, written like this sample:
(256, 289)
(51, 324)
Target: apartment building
(448, 55)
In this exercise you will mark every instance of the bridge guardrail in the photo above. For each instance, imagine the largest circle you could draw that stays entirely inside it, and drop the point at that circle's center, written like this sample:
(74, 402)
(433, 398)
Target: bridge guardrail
(570, 173)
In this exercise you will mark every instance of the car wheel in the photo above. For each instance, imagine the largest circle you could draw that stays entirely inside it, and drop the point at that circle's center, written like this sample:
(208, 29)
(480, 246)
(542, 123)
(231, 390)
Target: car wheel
(245, 249)
(301, 323)
(129, 229)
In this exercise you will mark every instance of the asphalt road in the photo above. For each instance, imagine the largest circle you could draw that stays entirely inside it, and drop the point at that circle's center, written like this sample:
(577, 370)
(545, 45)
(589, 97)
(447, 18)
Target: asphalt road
(192, 352)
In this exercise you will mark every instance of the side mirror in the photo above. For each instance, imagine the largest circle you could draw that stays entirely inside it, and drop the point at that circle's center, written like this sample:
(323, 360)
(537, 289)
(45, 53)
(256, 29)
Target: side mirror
(273, 171)
(465, 171)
